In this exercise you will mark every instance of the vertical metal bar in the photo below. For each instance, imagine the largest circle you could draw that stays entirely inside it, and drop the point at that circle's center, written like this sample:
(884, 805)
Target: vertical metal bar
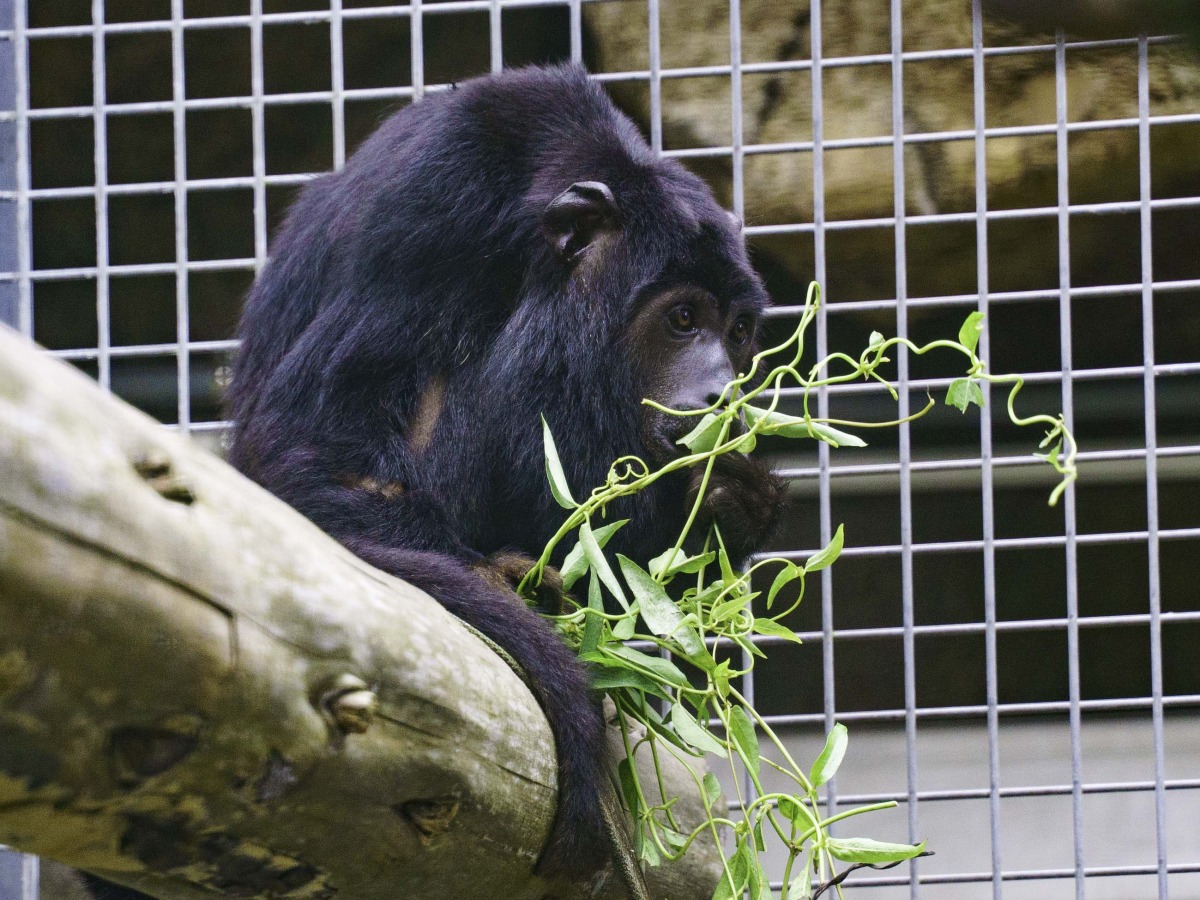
(576, 31)
(656, 125)
(1069, 525)
(337, 82)
(739, 209)
(1151, 426)
(824, 487)
(735, 94)
(496, 36)
(258, 134)
(19, 874)
(24, 234)
(417, 35)
(906, 527)
(179, 125)
(987, 496)
(9, 291)
(100, 146)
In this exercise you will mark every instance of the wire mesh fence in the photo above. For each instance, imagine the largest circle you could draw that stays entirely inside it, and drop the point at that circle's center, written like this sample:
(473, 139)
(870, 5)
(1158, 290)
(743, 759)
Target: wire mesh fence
(1020, 679)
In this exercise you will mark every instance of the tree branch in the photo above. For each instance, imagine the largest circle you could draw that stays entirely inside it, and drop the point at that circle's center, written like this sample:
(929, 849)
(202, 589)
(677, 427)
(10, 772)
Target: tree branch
(201, 691)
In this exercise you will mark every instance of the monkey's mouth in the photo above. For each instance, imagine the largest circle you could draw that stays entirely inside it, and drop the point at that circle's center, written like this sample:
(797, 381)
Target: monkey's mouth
(664, 435)
(665, 431)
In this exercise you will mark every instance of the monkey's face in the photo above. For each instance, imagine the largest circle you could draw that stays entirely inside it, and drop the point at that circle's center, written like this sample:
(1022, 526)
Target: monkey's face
(686, 346)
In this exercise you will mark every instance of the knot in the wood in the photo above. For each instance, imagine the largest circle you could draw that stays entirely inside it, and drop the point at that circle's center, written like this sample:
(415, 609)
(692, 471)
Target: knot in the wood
(154, 466)
(431, 817)
(350, 703)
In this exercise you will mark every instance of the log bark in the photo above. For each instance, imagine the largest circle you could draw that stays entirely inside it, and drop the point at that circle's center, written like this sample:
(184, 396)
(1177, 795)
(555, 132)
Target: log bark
(200, 691)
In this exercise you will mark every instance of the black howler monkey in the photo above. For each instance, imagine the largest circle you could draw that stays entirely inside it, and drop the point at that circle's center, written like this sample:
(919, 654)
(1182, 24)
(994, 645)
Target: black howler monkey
(502, 251)
(505, 250)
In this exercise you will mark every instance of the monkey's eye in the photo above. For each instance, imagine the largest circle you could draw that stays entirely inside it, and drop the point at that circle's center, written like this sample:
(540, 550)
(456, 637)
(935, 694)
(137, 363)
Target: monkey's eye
(683, 318)
(740, 333)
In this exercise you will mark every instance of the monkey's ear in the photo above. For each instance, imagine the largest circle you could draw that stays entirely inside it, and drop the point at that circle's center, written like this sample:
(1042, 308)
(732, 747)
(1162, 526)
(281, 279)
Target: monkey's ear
(577, 216)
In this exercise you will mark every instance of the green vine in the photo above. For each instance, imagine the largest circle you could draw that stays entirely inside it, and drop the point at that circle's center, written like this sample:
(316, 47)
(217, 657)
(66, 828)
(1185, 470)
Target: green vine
(715, 613)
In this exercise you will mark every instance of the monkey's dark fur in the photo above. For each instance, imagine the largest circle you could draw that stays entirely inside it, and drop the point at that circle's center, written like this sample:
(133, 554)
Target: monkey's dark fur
(440, 254)
(492, 254)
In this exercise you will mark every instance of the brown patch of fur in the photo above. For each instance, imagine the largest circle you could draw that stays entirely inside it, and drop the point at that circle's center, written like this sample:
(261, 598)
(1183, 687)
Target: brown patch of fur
(389, 490)
(429, 408)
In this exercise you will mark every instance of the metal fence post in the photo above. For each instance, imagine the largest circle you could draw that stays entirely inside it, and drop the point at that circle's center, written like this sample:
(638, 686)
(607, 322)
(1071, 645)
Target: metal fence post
(8, 169)
(18, 872)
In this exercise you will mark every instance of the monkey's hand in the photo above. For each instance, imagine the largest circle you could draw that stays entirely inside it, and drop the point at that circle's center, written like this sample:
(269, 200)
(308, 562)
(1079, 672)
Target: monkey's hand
(743, 497)
(505, 569)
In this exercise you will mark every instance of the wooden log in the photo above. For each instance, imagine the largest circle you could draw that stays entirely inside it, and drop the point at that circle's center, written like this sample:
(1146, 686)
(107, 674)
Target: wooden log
(200, 691)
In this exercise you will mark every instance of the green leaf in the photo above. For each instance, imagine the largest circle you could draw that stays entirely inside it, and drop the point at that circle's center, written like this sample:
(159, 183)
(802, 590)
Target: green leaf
(822, 559)
(659, 611)
(757, 888)
(666, 731)
(609, 680)
(836, 438)
(624, 628)
(728, 576)
(645, 849)
(789, 573)
(721, 677)
(798, 813)
(801, 886)
(704, 436)
(971, 329)
(693, 733)
(741, 729)
(874, 340)
(593, 625)
(728, 608)
(865, 850)
(655, 666)
(796, 427)
(595, 558)
(739, 868)
(771, 628)
(962, 393)
(826, 765)
(775, 422)
(671, 562)
(554, 471)
(712, 788)
(676, 839)
(628, 778)
(576, 564)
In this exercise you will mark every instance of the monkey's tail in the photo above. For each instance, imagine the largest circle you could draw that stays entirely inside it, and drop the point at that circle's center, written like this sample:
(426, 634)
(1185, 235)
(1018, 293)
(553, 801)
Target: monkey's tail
(580, 837)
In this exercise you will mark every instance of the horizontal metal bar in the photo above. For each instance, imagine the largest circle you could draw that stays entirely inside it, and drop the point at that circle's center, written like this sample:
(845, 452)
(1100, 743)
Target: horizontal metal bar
(1047, 790)
(979, 711)
(81, 273)
(1022, 543)
(798, 473)
(131, 350)
(150, 107)
(1021, 875)
(151, 188)
(1116, 207)
(1015, 626)
(1104, 373)
(972, 300)
(241, 182)
(1006, 131)
(317, 17)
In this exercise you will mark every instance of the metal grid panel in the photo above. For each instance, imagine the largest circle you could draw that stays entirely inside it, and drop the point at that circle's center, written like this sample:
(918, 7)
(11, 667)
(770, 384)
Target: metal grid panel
(985, 469)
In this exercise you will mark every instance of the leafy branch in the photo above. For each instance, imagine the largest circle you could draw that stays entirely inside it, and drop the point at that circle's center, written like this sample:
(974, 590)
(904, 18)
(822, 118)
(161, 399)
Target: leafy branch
(714, 613)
